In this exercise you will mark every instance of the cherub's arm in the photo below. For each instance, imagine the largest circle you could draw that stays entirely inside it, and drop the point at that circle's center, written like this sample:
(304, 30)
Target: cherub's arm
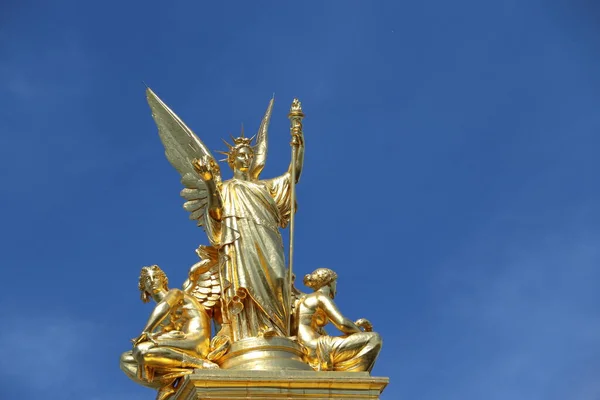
(162, 309)
(344, 324)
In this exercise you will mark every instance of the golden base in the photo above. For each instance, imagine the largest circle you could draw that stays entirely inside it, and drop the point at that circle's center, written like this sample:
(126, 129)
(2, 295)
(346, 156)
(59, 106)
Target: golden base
(264, 354)
(289, 385)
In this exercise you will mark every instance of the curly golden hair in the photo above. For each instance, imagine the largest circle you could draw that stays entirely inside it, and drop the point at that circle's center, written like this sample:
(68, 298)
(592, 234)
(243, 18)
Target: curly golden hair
(144, 274)
(319, 278)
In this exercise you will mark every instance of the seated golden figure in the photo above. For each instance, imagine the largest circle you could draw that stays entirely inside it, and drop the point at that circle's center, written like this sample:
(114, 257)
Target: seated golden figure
(175, 340)
(356, 351)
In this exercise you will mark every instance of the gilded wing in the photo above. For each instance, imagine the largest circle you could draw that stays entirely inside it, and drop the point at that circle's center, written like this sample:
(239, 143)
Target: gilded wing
(260, 149)
(203, 280)
(182, 146)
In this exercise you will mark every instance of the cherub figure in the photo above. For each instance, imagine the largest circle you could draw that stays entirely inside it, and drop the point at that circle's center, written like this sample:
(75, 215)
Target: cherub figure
(356, 351)
(176, 338)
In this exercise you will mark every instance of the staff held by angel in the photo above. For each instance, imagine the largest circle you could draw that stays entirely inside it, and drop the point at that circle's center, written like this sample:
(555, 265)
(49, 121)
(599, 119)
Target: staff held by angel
(242, 218)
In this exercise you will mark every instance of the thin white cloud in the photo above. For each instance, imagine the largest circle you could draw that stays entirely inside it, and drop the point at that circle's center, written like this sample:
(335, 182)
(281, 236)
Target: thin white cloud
(47, 343)
(57, 357)
(527, 307)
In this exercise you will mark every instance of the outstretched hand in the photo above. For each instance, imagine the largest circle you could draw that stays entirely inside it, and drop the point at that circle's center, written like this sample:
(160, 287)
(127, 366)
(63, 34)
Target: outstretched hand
(207, 168)
(365, 324)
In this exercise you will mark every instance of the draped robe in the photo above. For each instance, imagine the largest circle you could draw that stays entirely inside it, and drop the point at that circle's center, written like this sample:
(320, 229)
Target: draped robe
(251, 248)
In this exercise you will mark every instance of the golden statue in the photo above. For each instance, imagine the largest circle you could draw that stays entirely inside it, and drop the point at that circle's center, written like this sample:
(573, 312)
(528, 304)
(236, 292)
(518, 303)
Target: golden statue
(241, 283)
(356, 351)
(241, 217)
(176, 338)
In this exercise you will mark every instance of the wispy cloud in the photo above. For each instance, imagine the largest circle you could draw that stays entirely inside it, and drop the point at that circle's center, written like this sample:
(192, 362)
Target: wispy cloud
(525, 317)
(47, 343)
(57, 357)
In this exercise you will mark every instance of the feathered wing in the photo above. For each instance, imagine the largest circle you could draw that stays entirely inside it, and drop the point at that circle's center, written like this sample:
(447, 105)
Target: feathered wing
(182, 146)
(203, 281)
(260, 149)
(207, 288)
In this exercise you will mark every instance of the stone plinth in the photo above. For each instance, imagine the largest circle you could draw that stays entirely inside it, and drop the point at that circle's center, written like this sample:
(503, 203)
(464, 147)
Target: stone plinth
(285, 384)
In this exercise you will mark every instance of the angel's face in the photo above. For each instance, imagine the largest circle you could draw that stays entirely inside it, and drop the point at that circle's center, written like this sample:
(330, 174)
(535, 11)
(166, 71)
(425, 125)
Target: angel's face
(243, 159)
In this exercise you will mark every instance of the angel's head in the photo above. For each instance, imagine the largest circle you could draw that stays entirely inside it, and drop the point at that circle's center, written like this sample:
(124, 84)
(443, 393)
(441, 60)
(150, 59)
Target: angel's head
(152, 280)
(240, 154)
(322, 278)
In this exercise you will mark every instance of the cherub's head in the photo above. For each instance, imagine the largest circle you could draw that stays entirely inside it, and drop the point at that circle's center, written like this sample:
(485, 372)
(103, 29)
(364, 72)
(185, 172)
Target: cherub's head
(152, 280)
(322, 278)
(240, 154)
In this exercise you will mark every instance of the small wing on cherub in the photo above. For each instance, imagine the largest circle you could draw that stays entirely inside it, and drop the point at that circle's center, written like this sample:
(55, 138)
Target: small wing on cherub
(260, 149)
(182, 147)
(203, 280)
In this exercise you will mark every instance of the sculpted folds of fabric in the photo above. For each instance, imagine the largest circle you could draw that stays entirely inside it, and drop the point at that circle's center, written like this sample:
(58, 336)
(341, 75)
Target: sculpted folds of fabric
(238, 307)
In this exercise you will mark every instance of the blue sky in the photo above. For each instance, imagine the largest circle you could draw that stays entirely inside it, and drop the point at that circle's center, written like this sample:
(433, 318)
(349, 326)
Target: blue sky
(450, 178)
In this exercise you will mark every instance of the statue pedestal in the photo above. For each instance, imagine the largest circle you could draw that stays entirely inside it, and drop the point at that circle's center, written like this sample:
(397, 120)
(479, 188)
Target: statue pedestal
(284, 384)
(264, 354)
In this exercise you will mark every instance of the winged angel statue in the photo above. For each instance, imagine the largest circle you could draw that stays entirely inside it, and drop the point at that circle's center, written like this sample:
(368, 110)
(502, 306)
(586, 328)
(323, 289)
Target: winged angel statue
(241, 218)
(241, 282)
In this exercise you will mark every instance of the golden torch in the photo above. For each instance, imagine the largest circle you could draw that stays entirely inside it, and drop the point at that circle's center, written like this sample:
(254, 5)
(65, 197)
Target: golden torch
(295, 117)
